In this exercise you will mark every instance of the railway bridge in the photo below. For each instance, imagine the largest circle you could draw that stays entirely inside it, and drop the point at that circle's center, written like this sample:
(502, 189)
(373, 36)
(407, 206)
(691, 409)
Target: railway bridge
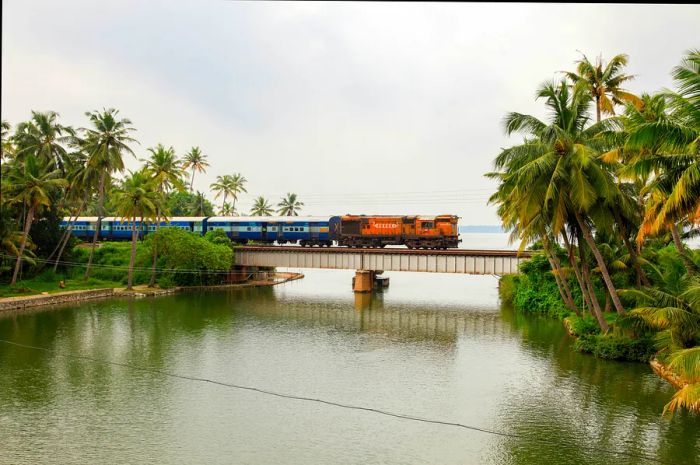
(367, 262)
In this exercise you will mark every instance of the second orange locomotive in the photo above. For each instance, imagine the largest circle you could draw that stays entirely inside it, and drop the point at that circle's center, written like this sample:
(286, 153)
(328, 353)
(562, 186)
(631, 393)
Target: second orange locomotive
(415, 232)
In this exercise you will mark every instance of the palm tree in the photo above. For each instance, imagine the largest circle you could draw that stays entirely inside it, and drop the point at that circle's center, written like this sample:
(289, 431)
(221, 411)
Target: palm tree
(556, 174)
(136, 199)
(671, 142)
(199, 206)
(44, 138)
(228, 210)
(261, 207)
(30, 185)
(6, 149)
(196, 160)
(236, 186)
(686, 363)
(82, 183)
(289, 206)
(673, 309)
(165, 173)
(603, 82)
(105, 144)
(221, 186)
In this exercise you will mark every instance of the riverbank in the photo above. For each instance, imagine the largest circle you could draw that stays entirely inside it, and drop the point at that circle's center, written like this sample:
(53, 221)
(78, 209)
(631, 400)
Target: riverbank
(15, 303)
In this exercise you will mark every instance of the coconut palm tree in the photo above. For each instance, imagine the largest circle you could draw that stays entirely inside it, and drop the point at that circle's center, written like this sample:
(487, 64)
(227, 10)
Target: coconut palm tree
(200, 205)
(7, 148)
(136, 199)
(82, 183)
(671, 144)
(222, 186)
(236, 186)
(44, 138)
(30, 185)
(289, 206)
(603, 82)
(105, 144)
(196, 160)
(686, 363)
(228, 209)
(557, 173)
(165, 173)
(261, 207)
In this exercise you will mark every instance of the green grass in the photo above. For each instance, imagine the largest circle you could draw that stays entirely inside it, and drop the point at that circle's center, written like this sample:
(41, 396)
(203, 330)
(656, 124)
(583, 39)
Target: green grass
(42, 284)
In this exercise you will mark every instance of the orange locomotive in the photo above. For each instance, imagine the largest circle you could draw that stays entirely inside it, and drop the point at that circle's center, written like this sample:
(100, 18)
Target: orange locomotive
(416, 232)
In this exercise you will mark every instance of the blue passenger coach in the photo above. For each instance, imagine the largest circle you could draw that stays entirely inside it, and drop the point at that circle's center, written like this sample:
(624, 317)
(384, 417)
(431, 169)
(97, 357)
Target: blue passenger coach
(269, 229)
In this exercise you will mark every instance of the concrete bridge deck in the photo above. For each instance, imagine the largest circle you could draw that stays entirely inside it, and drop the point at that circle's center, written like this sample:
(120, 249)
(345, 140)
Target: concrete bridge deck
(480, 262)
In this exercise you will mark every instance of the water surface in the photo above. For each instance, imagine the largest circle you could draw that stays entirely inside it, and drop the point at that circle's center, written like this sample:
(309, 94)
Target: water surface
(432, 346)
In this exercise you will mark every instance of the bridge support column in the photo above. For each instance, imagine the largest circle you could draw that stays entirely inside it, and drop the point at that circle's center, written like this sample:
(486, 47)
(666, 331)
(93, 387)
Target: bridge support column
(363, 281)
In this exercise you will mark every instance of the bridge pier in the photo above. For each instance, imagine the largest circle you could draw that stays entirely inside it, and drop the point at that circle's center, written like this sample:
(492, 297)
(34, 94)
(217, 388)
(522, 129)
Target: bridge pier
(363, 281)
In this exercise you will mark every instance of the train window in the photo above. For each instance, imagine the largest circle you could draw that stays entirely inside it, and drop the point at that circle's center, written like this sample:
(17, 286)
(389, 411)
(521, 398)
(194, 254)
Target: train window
(428, 224)
(248, 228)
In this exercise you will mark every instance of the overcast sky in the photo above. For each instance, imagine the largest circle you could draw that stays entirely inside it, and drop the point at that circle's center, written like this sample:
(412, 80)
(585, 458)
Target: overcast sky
(357, 107)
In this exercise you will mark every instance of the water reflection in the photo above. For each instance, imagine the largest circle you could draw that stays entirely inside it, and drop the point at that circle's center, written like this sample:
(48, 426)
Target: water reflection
(431, 354)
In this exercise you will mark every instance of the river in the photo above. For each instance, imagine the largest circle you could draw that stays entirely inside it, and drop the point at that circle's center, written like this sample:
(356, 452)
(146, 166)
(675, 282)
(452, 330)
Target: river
(434, 346)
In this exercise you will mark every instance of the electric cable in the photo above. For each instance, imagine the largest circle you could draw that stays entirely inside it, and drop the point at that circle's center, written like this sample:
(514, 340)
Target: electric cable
(335, 404)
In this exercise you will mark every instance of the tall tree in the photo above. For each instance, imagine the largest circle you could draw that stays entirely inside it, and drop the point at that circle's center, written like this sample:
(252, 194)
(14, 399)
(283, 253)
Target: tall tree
(7, 148)
(261, 207)
(672, 140)
(196, 160)
(165, 173)
(45, 139)
(557, 173)
(136, 200)
(30, 185)
(221, 186)
(290, 205)
(106, 142)
(603, 82)
(236, 184)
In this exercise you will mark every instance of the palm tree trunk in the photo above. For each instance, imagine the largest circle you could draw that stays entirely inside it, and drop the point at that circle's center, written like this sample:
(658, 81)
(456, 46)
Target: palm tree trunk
(25, 235)
(601, 263)
(577, 272)
(152, 281)
(597, 108)
(597, 312)
(641, 276)
(132, 259)
(192, 180)
(67, 236)
(563, 287)
(689, 265)
(98, 227)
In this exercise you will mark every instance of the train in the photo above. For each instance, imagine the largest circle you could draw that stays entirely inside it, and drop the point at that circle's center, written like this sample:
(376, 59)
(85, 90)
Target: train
(364, 231)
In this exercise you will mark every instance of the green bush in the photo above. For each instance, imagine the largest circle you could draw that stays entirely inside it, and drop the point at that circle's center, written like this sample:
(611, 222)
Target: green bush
(217, 236)
(507, 287)
(190, 259)
(584, 325)
(615, 347)
(166, 282)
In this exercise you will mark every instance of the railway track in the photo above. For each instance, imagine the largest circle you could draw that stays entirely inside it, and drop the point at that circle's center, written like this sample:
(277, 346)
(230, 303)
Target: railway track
(388, 251)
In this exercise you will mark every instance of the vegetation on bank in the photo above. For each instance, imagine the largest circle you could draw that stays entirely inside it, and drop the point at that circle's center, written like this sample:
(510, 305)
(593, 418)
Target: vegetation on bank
(184, 259)
(607, 202)
(50, 170)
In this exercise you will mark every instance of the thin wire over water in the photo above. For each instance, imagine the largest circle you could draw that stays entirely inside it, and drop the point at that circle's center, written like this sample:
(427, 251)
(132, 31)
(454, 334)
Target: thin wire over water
(335, 404)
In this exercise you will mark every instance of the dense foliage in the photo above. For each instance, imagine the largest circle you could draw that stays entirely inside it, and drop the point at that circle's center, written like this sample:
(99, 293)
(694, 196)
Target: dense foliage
(603, 200)
(50, 171)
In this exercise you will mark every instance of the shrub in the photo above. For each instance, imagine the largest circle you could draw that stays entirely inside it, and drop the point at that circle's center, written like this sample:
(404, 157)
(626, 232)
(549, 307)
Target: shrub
(615, 347)
(584, 325)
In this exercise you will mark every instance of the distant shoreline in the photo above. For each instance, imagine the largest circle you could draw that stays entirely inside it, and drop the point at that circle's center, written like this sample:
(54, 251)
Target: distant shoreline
(481, 229)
